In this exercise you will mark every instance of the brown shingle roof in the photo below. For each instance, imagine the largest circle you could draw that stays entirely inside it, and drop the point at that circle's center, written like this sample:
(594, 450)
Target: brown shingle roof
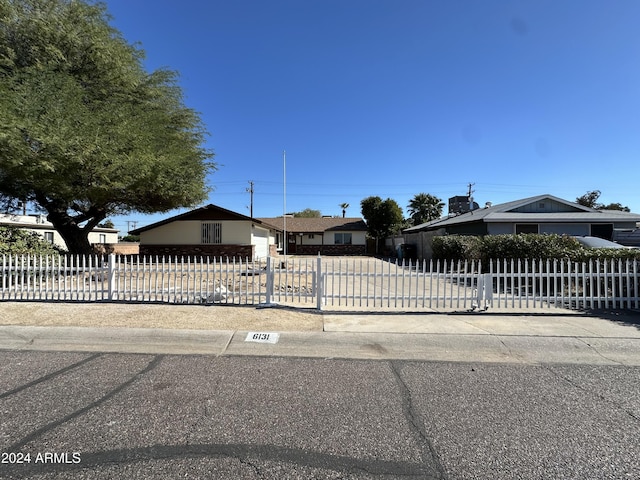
(317, 225)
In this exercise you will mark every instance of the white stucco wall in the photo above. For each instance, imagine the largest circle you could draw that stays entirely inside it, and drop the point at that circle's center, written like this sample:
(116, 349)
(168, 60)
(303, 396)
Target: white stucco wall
(189, 232)
(97, 237)
(236, 232)
(305, 240)
(44, 228)
(174, 233)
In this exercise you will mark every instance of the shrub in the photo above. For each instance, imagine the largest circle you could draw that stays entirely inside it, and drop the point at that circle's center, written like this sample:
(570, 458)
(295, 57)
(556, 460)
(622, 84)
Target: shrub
(522, 246)
(456, 247)
(14, 241)
(529, 246)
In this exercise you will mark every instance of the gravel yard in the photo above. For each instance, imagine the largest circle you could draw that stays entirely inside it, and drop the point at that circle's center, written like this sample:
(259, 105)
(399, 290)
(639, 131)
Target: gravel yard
(198, 317)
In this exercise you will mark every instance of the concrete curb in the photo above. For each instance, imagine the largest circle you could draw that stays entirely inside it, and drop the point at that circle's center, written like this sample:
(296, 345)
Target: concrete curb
(450, 347)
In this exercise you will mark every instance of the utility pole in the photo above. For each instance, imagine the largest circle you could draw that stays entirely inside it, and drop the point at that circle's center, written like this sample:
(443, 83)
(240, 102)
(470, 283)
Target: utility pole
(250, 190)
(129, 223)
(469, 197)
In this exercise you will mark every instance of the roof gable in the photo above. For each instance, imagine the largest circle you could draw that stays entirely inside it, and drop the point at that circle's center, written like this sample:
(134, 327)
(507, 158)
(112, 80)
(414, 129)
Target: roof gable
(544, 204)
(206, 213)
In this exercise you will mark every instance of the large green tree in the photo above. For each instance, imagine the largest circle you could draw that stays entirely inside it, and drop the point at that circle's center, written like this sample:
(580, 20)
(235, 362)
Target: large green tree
(85, 131)
(383, 217)
(308, 213)
(590, 199)
(425, 207)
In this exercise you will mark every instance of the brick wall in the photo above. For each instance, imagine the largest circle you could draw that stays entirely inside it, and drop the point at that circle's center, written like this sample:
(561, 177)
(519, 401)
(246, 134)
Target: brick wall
(122, 248)
(232, 251)
(330, 249)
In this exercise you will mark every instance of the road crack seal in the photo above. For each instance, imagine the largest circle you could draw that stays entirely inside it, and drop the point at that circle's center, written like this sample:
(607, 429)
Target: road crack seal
(430, 457)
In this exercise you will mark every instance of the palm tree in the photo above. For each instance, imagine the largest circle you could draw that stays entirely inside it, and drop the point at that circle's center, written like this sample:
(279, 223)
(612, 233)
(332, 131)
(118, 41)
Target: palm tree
(425, 207)
(344, 207)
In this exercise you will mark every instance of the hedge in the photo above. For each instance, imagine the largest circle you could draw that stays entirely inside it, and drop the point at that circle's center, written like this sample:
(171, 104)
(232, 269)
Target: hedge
(522, 246)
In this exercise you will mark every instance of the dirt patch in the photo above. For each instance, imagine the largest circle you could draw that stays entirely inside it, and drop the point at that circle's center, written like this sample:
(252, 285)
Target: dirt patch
(198, 317)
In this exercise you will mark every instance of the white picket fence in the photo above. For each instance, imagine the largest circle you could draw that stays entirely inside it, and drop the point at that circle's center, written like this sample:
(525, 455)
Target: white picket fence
(323, 282)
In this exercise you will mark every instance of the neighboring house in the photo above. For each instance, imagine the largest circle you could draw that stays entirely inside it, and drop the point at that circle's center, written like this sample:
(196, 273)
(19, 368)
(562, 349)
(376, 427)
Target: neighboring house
(539, 214)
(209, 231)
(325, 236)
(39, 224)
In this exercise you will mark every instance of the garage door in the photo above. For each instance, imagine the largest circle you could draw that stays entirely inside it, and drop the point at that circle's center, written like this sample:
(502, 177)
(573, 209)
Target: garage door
(261, 242)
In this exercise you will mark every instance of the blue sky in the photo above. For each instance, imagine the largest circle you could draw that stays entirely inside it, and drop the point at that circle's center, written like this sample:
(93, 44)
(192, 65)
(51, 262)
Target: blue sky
(398, 97)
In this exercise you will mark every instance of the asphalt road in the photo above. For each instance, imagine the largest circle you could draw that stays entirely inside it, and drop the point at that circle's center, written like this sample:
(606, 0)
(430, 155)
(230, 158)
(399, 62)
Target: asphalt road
(117, 415)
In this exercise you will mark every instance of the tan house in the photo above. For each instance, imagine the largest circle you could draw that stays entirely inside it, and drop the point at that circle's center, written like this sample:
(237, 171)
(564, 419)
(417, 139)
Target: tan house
(325, 236)
(209, 231)
(39, 224)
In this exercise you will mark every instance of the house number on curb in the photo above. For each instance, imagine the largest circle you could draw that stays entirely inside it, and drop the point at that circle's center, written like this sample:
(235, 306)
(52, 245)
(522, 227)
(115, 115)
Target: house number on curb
(262, 337)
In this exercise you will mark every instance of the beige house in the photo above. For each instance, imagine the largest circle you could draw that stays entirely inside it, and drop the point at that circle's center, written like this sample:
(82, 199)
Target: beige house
(325, 236)
(209, 231)
(39, 224)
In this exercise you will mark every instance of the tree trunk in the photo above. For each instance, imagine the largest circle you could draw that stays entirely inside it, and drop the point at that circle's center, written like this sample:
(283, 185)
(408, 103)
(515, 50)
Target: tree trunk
(76, 237)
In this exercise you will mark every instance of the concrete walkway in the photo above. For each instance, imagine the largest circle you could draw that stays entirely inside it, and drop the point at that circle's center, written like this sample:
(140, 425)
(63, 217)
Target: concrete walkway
(525, 336)
(521, 322)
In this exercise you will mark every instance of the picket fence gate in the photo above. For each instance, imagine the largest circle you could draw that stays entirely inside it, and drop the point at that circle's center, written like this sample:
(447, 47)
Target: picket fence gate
(323, 282)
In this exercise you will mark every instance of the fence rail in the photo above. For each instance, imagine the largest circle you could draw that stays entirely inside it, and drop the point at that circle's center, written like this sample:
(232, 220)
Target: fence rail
(323, 282)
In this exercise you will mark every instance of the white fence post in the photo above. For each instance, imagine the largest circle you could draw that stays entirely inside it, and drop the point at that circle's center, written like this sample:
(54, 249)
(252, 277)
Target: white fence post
(269, 281)
(111, 276)
(319, 284)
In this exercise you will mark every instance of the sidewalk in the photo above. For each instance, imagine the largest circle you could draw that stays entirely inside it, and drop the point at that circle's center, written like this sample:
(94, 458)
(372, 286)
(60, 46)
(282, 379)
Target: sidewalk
(519, 322)
(531, 336)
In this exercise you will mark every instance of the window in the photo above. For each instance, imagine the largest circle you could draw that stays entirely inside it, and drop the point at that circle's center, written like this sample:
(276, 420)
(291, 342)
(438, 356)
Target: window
(211, 233)
(526, 228)
(48, 236)
(103, 238)
(342, 239)
(310, 236)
